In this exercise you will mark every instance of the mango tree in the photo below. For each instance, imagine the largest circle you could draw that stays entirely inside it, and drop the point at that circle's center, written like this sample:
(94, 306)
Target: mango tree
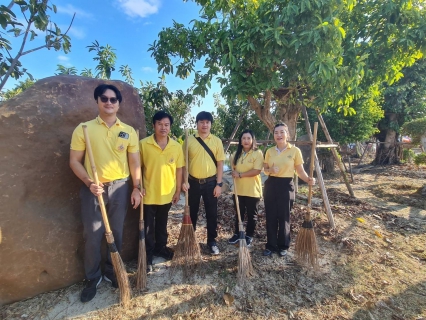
(281, 53)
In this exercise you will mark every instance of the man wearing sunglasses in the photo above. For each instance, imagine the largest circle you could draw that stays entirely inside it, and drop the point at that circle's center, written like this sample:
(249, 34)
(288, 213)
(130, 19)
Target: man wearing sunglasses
(116, 154)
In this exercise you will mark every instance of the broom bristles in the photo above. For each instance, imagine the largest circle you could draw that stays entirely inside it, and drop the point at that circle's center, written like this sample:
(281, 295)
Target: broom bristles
(187, 251)
(122, 279)
(141, 273)
(245, 267)
(306, 247)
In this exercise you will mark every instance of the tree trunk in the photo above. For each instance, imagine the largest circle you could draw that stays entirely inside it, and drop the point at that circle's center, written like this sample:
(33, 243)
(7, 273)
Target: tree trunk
(388, 151)
(286, 112)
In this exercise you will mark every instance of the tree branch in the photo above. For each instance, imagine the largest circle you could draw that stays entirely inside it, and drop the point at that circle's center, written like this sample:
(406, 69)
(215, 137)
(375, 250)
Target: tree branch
(50, 45)
(264, 113)
(15, 60)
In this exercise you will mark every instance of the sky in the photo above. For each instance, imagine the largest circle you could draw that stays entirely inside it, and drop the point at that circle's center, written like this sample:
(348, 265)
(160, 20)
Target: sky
(128, 26)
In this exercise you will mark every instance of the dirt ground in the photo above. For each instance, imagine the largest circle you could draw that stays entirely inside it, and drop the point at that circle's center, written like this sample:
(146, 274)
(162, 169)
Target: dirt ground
(372, 265)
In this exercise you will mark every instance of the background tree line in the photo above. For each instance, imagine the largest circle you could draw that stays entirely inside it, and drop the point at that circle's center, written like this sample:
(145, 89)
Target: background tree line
(358, 62)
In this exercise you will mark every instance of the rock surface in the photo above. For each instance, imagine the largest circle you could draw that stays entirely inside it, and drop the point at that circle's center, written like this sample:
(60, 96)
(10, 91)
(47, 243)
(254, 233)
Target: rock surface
(41, 238)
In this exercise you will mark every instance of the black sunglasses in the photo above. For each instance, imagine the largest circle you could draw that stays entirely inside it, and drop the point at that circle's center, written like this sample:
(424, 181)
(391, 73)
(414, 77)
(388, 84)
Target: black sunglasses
(105, 99)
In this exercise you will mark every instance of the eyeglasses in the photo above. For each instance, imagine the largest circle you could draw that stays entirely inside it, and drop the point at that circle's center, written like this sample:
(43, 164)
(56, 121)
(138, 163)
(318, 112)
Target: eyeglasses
(105, 99)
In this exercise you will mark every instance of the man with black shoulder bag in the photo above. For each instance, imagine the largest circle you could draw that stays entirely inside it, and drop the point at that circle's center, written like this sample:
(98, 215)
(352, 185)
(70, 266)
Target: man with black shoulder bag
(206, 156)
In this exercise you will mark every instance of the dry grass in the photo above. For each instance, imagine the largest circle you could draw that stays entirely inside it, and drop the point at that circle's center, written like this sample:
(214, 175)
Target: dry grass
(373, 267)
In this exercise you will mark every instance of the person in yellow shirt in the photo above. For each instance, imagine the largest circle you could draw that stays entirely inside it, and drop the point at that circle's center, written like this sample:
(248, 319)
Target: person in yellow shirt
(161, 161)
(116, 154)
(205, 175)
(280, 163)
(247, 163)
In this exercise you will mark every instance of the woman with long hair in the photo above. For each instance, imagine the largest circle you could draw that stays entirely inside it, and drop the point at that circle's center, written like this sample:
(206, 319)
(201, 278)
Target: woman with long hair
(281, 161)
(247, 163)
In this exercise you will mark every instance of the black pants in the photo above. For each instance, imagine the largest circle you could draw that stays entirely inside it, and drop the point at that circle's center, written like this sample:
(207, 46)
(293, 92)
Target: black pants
(155, 218)
(116, 198)
(196, 191)
(279, 199)
(247, 205)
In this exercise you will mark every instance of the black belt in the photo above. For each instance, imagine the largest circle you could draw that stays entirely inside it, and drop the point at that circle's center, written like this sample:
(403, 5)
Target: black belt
(203, 181)
(107, 184)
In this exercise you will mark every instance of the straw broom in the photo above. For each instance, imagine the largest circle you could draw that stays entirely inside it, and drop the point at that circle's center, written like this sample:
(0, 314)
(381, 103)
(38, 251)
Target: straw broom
(187, 251)
(245, 267)
(117, 263)
(141, 272)
(306, 243)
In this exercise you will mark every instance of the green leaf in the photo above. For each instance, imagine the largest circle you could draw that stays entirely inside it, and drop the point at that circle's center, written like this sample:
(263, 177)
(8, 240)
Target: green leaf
(21, 2)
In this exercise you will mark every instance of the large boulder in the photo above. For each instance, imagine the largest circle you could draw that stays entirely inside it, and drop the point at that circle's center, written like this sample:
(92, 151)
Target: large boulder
(41, 239)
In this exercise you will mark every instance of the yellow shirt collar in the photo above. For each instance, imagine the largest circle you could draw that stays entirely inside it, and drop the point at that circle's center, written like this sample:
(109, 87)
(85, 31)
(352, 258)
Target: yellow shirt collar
(100, 121)
(151, 140)
(208, 137)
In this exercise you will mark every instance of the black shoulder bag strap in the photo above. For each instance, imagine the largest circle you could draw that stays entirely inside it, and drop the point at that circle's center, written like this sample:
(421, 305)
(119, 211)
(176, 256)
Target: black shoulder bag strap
(207, 149)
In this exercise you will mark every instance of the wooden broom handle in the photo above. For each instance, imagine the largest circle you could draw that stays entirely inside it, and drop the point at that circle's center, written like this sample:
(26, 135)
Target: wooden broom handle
(186, 166)
(311, 165)
(95, 176)
(140, 184)
(237, 204)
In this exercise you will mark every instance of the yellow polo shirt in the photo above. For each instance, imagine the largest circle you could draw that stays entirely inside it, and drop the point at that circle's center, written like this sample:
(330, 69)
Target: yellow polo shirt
(286, 160)
(159, 169)
(249, 186)
(201, 165)
(109, 146)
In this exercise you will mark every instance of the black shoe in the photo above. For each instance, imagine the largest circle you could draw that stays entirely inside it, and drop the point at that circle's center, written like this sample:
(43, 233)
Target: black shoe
(249, 241)
(267, 253)
(111, 278)
(89, 291)
(214, 249)
(234, 239)
(165, 253)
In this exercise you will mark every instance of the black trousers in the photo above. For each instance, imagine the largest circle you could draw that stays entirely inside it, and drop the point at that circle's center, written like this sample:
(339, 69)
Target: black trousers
(248, 207)
(155, 218)
(195, 192)
(116, 198)
(279, 199)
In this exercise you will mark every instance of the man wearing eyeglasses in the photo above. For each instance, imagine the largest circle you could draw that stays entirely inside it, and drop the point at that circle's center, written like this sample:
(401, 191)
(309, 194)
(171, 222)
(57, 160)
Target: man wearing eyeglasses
(116, 154)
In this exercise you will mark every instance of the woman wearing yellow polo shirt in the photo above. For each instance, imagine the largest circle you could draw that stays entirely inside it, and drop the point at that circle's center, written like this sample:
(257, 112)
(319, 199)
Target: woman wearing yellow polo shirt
(247, 163)
(280, 163)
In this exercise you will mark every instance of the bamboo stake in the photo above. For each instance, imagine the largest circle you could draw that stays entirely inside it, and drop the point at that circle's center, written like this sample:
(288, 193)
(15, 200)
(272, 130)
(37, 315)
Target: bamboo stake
(335, 154)
(245, 267)
(306, 243)
(117, 262)
(142, 264)
(240, 119)
(187, 251)
(319, 174)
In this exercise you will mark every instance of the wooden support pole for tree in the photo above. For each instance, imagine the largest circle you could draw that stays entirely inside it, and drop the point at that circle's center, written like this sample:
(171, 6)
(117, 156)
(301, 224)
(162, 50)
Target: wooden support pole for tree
(363, 154)
(336, 155)
(240, 119)
(350, 168)
(319, 174)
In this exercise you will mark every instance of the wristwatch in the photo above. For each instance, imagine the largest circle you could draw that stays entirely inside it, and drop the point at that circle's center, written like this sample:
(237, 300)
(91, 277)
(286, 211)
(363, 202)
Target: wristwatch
(220, 184)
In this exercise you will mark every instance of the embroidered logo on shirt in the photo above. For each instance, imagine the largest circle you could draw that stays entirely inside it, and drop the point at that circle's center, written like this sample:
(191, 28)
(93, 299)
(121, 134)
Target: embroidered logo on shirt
(120, 147)
(289, 157)
(172, 160)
